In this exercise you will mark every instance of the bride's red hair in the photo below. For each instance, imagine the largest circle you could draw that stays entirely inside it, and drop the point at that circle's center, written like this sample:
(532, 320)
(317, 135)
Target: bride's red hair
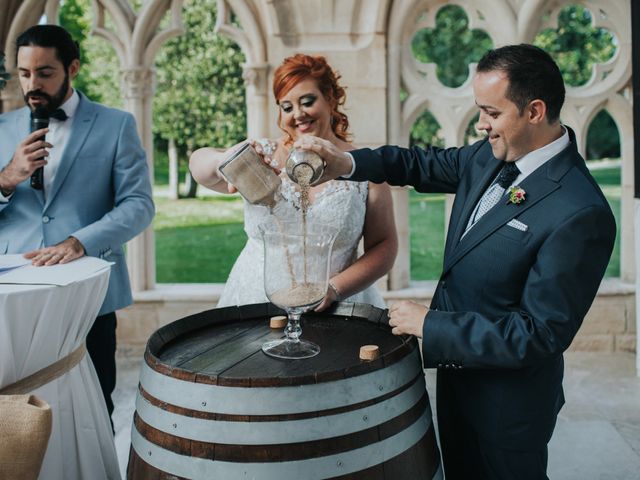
(300, 67)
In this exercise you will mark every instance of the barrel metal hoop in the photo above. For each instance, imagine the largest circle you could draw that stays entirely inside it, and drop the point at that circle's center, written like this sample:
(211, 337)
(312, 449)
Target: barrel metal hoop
(280, 400)
(311, 469)
(279, 432)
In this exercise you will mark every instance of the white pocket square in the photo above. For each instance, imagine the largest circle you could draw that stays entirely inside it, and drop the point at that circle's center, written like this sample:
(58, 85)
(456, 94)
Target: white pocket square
(517, 224)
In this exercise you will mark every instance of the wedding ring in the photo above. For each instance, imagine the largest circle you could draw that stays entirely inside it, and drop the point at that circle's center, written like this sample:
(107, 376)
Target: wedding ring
(273, 163)
(268, 147)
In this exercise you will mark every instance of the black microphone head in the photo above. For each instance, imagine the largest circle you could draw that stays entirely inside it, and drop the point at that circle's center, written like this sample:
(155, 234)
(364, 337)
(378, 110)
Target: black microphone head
(39, 118)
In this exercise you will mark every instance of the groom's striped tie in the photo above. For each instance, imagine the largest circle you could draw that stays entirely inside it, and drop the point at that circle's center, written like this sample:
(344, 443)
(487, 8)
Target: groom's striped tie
(494, 193)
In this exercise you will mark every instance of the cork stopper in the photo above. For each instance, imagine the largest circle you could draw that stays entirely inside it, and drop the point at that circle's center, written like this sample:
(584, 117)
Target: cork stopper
(279, 321)
(369, 352)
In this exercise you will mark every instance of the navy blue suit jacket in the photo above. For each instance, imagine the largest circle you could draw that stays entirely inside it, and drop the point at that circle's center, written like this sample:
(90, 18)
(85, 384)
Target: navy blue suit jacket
(509, 302)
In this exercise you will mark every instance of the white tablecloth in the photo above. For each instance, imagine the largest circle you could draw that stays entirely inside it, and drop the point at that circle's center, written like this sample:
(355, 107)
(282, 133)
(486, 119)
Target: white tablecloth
(40, 324)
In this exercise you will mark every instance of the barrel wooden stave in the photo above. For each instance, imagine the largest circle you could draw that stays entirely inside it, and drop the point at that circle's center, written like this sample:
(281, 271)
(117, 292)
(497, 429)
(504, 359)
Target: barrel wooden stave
(215, 348)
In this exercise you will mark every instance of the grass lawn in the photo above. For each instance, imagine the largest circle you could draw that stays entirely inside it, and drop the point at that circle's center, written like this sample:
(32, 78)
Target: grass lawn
(426, 221)
(609, 180)
(198, 240)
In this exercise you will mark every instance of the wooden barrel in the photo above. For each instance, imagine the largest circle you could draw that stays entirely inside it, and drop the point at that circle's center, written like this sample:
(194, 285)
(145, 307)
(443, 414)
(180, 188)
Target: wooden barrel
(212, 405)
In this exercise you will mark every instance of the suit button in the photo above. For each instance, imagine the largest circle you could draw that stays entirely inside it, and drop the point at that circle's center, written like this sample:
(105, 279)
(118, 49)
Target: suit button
(45, 219)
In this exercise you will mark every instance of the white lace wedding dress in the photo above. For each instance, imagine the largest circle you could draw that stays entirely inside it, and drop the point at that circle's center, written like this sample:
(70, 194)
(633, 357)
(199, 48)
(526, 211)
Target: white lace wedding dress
(340, 204)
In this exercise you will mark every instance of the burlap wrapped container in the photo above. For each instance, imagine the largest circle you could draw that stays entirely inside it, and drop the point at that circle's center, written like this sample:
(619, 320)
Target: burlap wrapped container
(25, 427)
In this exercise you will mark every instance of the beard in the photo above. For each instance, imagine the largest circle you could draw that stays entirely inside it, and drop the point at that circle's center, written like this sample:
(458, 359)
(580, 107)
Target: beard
(52, 101)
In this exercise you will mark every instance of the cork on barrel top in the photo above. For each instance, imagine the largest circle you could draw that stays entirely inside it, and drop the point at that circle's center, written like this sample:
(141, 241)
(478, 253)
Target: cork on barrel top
(278, 321)
(369, 352)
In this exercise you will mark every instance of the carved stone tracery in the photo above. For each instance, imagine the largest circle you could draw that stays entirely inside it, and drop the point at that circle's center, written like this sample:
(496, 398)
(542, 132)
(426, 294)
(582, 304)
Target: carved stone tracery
(514, 22)
(358, 36)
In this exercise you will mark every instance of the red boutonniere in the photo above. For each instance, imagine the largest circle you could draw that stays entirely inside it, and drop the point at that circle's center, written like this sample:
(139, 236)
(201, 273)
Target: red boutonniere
(516, 195)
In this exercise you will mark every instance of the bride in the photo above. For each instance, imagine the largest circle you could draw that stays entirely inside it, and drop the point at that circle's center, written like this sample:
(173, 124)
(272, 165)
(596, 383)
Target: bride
(308, 96)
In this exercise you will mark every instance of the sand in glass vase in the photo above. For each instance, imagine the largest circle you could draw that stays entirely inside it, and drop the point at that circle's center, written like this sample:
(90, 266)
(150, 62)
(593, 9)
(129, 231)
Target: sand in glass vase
(296, 274)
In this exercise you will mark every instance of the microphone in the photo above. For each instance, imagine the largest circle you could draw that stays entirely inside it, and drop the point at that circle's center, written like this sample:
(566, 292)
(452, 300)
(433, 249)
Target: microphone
(39, 119)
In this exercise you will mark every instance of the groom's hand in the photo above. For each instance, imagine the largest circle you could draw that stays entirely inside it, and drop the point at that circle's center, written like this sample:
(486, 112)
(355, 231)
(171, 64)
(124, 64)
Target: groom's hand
(407, 318)
(338, 163)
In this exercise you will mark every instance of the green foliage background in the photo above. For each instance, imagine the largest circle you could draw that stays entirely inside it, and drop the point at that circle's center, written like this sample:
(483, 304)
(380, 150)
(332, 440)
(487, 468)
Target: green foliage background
(200, 98)
(99, 73)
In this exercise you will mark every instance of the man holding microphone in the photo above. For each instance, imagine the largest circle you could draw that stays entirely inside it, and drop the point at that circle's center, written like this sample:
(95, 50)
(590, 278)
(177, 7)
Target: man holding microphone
(95, 192)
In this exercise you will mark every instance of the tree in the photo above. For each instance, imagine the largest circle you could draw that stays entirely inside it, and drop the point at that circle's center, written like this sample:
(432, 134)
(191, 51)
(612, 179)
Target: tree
(98, 75)
(200, 97)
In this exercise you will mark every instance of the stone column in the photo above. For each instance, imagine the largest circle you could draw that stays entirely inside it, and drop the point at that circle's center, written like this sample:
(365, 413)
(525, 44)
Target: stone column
(257, 83)
(637, 246)
(138, 85)
(400, 273)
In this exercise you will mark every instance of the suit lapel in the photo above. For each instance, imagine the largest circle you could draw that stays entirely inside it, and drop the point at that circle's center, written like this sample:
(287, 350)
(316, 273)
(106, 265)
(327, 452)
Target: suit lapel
(537, 186)
(490, 170)
(82, 122)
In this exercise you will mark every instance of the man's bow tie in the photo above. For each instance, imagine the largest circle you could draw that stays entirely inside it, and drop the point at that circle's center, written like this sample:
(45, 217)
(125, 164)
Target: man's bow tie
(58, 114)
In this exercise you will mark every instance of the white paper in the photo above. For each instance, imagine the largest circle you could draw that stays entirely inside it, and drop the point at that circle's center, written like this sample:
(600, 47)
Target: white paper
(9, 262)
(61, 274)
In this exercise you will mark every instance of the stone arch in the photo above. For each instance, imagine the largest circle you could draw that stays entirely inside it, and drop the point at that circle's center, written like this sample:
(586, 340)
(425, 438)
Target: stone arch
(367, 40)
(251, 40)
(27, 14)
(136, 40)
(620, 110)
(588, 120)
(455, 106)
(608, 81)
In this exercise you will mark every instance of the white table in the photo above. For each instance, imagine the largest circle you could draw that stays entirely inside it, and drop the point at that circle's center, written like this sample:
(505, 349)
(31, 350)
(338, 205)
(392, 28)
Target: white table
(40, 324)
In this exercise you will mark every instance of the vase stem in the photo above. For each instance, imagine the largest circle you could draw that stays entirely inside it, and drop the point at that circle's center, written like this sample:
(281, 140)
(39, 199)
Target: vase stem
(293, 329)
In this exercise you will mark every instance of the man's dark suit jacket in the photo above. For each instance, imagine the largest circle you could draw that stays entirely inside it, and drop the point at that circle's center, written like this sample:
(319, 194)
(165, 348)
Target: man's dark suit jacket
(509, 302)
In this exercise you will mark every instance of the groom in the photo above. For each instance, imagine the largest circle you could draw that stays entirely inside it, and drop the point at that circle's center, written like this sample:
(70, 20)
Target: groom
(529, 240)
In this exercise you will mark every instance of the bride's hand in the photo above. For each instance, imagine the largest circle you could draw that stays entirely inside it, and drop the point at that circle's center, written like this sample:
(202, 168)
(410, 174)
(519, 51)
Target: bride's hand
(266, 148)
(331, 297)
